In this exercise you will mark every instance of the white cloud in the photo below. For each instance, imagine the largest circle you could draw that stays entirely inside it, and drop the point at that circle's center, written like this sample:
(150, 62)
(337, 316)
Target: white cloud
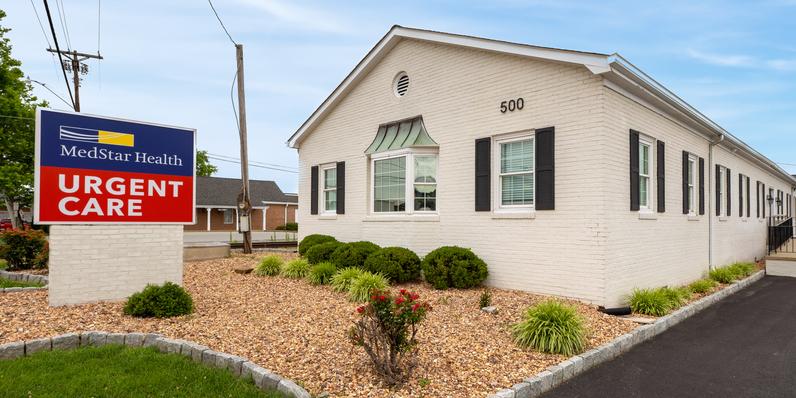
(301, 17)
(785, 65)
(722, 59)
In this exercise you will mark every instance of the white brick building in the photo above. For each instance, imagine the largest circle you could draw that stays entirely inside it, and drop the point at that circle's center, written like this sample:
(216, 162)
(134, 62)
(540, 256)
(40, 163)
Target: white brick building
(563, 170)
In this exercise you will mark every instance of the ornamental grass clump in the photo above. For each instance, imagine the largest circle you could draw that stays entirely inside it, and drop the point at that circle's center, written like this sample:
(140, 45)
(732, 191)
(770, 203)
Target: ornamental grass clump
(722, 275)
(162, 301)
(321, 273)
(677, 296)
(552, 327)
(387, 330)
(296, 268)
(742, 270)
(360, 288)
(341, 280)
(702, 286)
(654, 302)
(269, 266)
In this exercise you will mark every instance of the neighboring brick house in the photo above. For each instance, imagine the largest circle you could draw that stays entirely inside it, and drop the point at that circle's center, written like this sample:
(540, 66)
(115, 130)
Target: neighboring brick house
(570, 173)
(216, 205)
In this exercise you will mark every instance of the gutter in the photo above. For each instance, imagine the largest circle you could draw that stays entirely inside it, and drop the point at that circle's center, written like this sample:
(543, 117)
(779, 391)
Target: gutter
(710, 202)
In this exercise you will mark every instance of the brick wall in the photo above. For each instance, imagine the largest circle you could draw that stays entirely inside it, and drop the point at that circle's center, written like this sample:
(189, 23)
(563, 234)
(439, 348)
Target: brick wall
(90, 263)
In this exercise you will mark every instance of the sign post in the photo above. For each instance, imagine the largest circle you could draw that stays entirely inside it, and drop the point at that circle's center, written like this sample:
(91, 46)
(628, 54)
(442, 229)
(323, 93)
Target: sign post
(117, 194)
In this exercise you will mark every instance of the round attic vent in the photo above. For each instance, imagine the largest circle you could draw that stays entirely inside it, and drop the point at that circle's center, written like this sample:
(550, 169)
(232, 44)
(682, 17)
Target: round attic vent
(401, 84)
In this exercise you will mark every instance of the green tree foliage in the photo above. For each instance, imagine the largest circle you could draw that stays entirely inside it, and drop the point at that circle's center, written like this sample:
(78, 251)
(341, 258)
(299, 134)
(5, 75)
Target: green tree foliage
(203, 166)
(17, 112)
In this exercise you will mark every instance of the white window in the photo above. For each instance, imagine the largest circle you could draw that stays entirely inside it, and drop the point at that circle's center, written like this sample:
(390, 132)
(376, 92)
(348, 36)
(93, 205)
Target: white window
(741, 196)
(645, 173)
(720, 191)
(404, 177)
(692, 178)
(228, 216)
(330, 189)
(515, 171)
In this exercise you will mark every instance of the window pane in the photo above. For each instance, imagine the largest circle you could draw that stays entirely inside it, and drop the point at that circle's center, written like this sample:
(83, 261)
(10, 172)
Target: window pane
(331, 200)
(644, 159)
(643, 191)
(425, 169)
(426, 197)
(516, 156)
(517, 189)
(330, 178)
(389, 186)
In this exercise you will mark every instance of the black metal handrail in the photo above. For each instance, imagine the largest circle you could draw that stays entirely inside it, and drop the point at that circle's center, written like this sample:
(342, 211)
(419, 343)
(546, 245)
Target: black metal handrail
(780, 232)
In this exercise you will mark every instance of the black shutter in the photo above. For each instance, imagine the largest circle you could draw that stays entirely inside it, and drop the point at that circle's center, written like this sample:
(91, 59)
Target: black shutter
(748, 200)
(740, 194)
(757, 202)
(661, 174)
(701, 186)
(634, 180)
(718, 190)
(729, 192)
(340, 187)
(763, 199)
(314, 190)
(686, 198)
(483, 148)
(545, 169)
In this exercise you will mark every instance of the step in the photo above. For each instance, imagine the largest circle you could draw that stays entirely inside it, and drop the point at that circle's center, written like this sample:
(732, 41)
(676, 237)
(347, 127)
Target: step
(781, 265)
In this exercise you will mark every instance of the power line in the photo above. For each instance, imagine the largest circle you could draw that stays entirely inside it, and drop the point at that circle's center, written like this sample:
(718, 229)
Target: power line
(221, 22)
(50, 90)
(251, 164)
(17, 117)
(47, 39)
(58, 49)
(99, 20)
(253, 161)
(62, 16)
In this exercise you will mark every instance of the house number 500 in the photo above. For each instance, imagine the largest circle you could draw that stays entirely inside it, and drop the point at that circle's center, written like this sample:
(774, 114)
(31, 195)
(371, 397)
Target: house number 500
(512, 105)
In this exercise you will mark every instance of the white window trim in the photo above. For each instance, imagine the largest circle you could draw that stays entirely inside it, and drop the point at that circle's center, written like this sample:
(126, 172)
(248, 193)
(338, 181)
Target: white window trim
(693, 198)
(409, 180)
(722, 199)
(650, 142)
(498, 207)
(322, 188)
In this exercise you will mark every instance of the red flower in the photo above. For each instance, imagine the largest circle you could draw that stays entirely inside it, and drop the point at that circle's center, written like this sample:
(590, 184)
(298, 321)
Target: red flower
(414, 296)
(373, 297)
(382, 298)
(399, 300)
(403, 291)
(415, 307)
(361, 309)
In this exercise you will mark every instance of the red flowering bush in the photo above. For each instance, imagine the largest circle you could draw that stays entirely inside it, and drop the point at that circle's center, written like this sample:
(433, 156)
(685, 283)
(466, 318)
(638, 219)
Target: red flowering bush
(387, 329)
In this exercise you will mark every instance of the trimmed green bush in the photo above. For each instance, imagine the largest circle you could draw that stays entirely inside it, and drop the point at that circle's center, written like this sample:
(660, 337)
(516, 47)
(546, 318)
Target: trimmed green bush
(452, 266)
(312, 240)
(353, 254)
(162, 301)
(296, 268)
(269, 266)
(341, 280)
(653, 302)
(366, 282)
(24, 249)
(321, 273)
(398, 264)
(552, 327)
(321, 252)
(742, 270)
(702, 286)
(722, 275)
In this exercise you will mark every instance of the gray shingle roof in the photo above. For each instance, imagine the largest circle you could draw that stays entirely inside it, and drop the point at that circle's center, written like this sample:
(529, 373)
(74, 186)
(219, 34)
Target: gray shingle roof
(218, 191)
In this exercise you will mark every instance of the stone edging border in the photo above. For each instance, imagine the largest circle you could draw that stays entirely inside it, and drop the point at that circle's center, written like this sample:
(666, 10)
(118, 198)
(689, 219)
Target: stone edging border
(240, 367)
(555, 375)
(20, 277)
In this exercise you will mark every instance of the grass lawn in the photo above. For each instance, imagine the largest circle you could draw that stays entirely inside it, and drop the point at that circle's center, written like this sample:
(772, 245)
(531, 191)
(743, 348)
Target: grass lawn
(4, 283)
(117, 371)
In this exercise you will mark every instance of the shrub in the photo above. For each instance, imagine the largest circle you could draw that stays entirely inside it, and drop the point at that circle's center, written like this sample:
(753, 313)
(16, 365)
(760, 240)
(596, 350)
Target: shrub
(452, 266)
(162, 301)
(296, 268)
(722, 275)
(486, 299)
(653, 302)
(551, 327)
(321, 273)
(742, 270)
(312, 240)
(269, 266)
(386, 331)
(24, 249)
(396, 263)
(702, 285)
(291, 226)
(353, 254)
(677, 296)
(341, 280)
(362, 286)
(321, 252)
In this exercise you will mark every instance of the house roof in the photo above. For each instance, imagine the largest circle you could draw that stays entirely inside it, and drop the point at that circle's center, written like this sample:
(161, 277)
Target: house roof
(218, 191)
(617, 71)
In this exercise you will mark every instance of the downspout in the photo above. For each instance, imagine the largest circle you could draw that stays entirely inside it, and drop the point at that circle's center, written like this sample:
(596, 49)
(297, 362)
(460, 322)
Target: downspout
(711, 200)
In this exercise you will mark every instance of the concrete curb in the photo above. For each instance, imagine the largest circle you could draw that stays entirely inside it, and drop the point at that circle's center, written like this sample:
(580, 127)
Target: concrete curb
(555, 375)
(240, 367)
(19, 277)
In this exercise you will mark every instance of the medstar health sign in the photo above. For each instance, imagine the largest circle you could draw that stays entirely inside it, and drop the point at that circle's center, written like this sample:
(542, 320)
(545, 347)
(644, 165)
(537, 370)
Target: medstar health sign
(95, 170)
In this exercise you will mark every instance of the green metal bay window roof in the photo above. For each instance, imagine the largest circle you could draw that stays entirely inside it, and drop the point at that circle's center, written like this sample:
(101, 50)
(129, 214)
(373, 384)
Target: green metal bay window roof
(410, 133)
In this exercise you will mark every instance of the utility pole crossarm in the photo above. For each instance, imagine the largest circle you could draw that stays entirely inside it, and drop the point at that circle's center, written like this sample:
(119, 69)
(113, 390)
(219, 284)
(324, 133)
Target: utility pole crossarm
(75, 59)
(79, 54)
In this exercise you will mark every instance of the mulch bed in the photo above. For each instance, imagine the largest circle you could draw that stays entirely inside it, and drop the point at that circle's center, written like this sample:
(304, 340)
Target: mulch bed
(299, 331)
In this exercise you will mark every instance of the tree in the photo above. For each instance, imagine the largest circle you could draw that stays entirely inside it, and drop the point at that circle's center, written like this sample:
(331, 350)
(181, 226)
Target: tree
(17, 124)
(203, 166)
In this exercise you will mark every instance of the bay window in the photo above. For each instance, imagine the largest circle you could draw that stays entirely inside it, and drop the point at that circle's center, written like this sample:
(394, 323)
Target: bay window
(404, 177)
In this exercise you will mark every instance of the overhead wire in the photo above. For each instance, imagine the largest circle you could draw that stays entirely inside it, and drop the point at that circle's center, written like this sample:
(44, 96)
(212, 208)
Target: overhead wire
(58, 49)
(62, 16)
(50, 90)
(251, 164)
(254, 161)
(41, 25)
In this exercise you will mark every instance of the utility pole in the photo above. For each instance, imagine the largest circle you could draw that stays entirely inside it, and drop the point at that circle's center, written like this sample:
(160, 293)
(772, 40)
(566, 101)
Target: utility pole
(244, 200)
(76, 65)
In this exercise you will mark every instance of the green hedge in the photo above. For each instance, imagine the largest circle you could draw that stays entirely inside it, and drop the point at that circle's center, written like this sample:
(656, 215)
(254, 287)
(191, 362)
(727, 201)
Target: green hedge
(396, 263)
(353, 254)
(322, 252)
(452, 266)
(312, 240)
(162, 301)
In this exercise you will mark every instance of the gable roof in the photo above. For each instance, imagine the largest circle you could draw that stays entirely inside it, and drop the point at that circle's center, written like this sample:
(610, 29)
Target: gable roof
(219, 191)
(617, 71)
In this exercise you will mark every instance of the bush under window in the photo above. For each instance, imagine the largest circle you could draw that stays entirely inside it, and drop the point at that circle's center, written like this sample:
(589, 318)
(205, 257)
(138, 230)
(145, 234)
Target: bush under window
(452, 266)
(551, 327)
(162, 301)
(396, 263)
(322, 252)
(312, 240)
(24, 249)
(353, 254)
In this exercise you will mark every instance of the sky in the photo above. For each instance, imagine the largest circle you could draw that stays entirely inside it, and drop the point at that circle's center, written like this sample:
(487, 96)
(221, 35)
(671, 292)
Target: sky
(170, 62)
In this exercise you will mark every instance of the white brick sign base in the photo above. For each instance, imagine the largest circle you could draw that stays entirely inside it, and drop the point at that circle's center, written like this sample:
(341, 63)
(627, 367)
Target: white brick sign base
(90, 263)
(240, 367)
(555, 375)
